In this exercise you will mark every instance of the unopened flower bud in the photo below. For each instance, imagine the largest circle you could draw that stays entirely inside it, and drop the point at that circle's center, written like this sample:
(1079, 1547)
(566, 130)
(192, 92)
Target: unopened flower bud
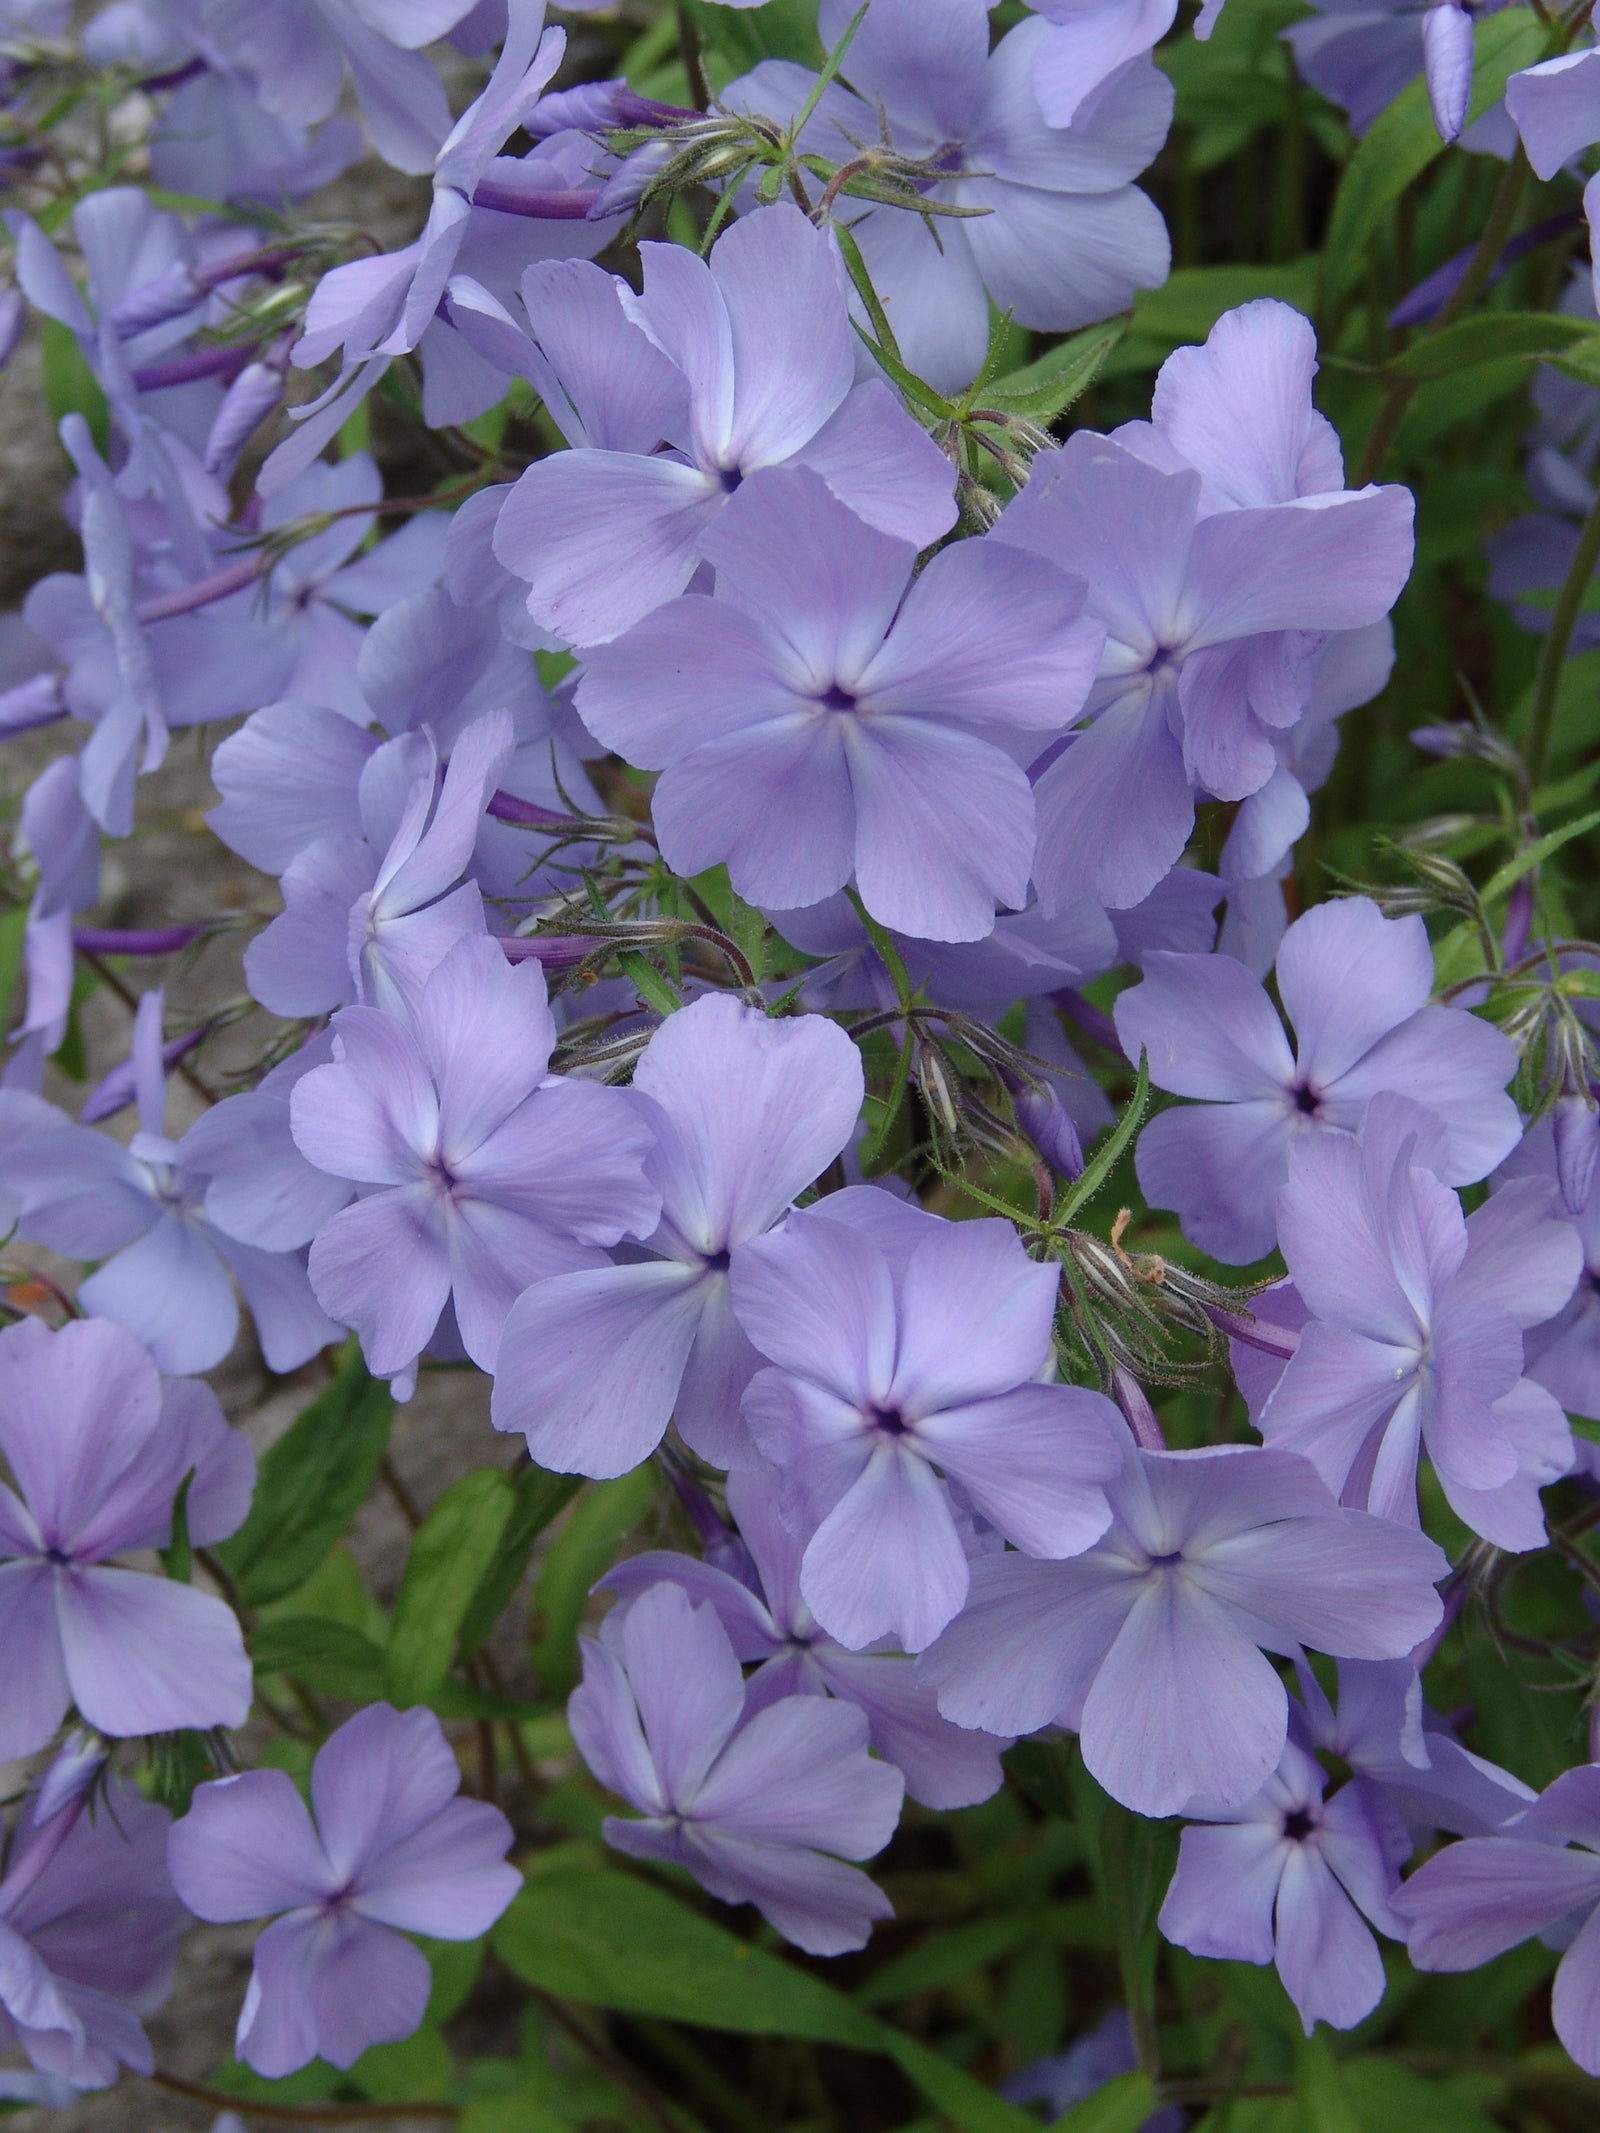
(1045, 1121)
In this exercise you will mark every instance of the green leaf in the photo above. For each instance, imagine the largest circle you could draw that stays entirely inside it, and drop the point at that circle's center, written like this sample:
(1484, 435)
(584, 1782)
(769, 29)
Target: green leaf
(585, 1547)
(70, 386)
(1387, 2096)
(736, 41)
(177, 1558)
(607, 1940)
(1040, 391)
(1533, 335)
(1122, 2106)
(13, 931)
(1325, 2105)
(310, 1484)
(451, 1554)
(1542, 848)
(329, 1658)
(539, 1498)
(944, 1957)
(1112, 1149)
(1404, 140)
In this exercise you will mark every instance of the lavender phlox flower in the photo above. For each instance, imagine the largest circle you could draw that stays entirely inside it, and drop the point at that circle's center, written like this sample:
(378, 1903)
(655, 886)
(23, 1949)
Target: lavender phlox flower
(367, 918)
(483, 1172)
(386, 1849)
(1213, 620)
(742, 362)
(137, 657)
(165, 1268)
(1556, 109)
(907, 1396)
(825, 717)
(1287, 1878)
(761, 1805)
(1355, 987)
(211, 135)
(1414, 1342)
(297, 773)
(1539, 1875)
(746, 1113)
(1563, 1350)
(1061, 236)
(372, 310)
(296, 54)
(1384, 1731)
(97, 1447)
(768, 1623)
(89, 1930)
(1150, 1644)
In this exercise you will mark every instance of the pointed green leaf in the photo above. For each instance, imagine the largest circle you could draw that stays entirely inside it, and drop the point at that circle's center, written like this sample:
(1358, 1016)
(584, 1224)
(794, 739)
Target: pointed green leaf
(1040, 391)
(310, 1484)
(451, 1553)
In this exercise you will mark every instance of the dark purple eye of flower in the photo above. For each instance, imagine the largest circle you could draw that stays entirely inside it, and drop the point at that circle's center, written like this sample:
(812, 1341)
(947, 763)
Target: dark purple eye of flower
(834, 698)
(889, 1420)
(1298, 1825)
(1307, 1101)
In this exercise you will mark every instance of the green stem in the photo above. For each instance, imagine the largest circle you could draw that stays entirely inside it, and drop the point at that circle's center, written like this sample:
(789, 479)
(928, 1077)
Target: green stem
(299, 2114)
(1553, 652)
(1496, 230)
(694, 64)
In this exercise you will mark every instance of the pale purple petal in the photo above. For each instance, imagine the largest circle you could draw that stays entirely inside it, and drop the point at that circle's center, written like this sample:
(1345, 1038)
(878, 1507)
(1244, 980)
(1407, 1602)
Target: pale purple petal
(1221, 1899)
(382, 1267)
(1219, 1167)
(631, 530)
(688, 1686)
(1327, 1957)
(170, 1289)
(589, 1364)
(1183, 1703)
(798, 1774)
(887, 1560)
(329, 1986)
(147, 1655)
(33, 1682)
(1483, 1895)
(1029, 1462)
(944, 828)
(247, 1849)
(976, 1317)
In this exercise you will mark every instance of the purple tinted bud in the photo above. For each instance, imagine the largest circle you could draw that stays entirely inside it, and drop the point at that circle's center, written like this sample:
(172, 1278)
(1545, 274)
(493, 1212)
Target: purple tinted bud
(186, 369)
(552, 951)
(116, 940)
(510, 191)
(628, 185)
(1137, 1411)
(249, 400)
(1519, 920)
(232, 578)
(1447, 62)
(527, 814)
(598, 107)
(173, 292)
(1042, 1116)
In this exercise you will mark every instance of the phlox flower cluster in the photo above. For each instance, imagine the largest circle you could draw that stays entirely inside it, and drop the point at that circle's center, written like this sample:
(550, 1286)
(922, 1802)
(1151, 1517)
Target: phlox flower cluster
(688, 863)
